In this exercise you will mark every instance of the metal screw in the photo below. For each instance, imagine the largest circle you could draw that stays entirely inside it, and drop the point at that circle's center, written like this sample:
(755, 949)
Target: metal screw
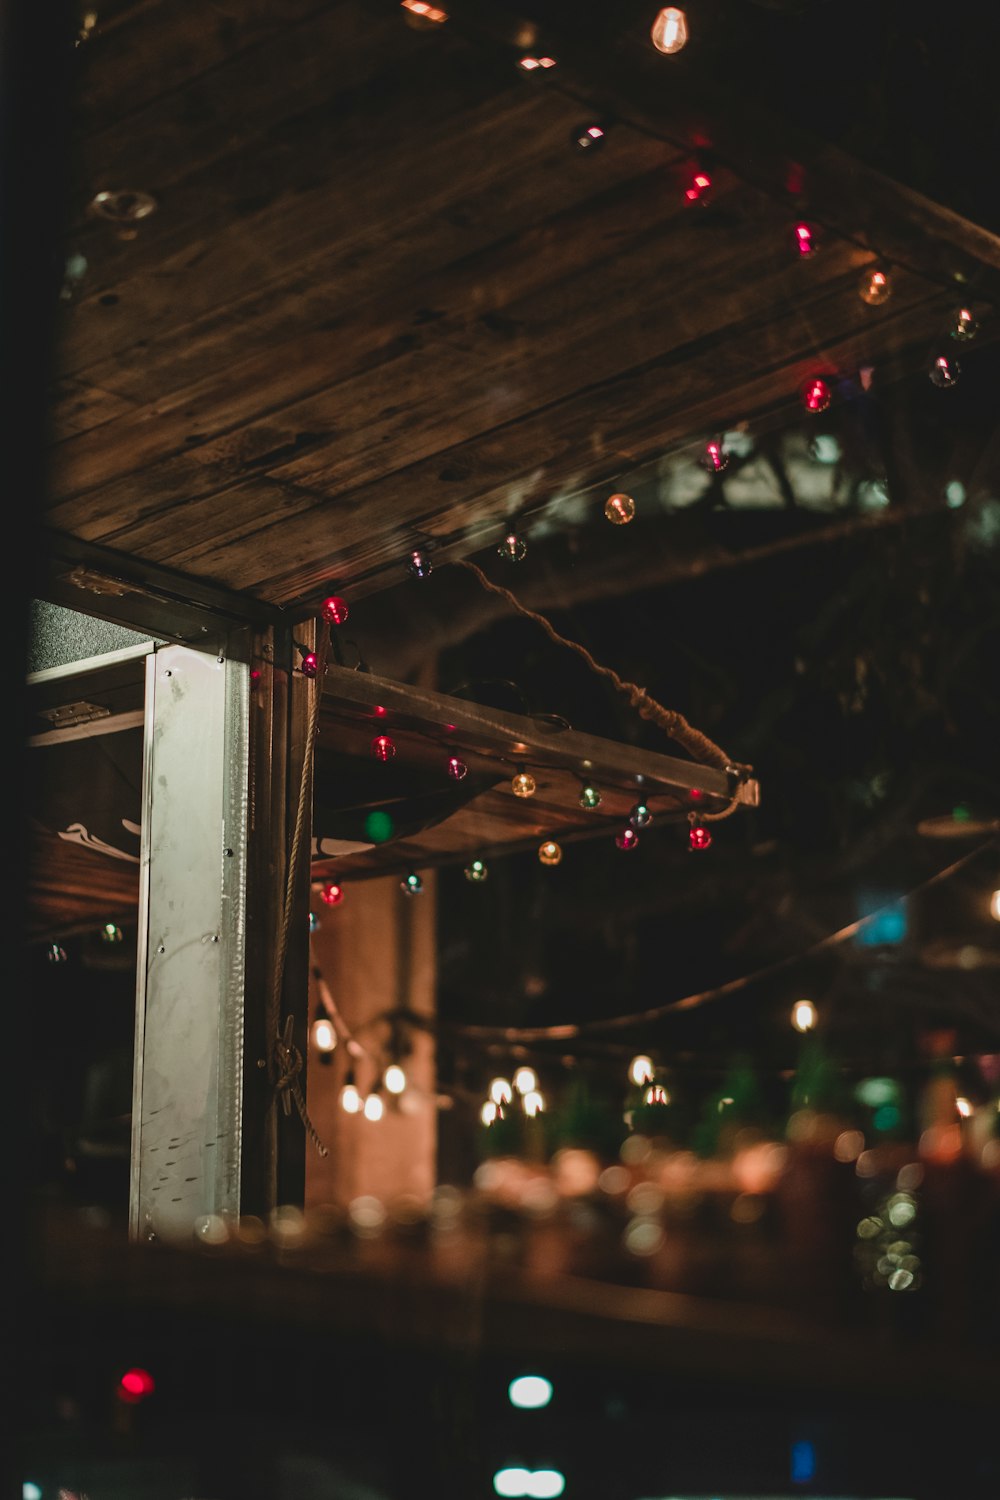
(168, 673)
(229, 853)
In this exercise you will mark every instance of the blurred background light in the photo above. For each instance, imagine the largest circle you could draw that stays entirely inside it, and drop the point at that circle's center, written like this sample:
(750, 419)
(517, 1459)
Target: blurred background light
(530, 1392)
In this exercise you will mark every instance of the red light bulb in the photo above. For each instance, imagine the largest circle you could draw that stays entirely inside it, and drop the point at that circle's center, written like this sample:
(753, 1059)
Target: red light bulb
(701, 186)
(698, 837)
(135, 1385)
(334, 610)
(332, 893)
(944, 372)
(715, 458)
(816, 395)
(627, 839)
(310, 664)
(457, 768)
(805, 240)
(696, 794)
(383, 748)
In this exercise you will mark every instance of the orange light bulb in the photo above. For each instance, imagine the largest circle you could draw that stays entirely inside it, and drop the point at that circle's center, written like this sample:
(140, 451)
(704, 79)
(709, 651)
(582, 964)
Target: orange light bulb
(669, 32)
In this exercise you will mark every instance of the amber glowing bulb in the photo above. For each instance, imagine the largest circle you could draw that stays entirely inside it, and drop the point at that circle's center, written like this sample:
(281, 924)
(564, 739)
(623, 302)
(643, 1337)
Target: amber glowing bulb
(619, 509)
(875, 286)
(669, 32)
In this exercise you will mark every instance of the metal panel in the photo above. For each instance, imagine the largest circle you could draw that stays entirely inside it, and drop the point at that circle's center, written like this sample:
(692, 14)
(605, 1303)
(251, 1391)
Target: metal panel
(187, 1096)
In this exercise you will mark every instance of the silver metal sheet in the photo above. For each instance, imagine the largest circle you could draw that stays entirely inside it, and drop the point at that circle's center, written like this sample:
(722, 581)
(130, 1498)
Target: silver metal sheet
(186, 1122)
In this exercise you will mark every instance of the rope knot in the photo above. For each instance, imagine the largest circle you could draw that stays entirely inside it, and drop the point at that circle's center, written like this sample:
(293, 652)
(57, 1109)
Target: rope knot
(287, 1060)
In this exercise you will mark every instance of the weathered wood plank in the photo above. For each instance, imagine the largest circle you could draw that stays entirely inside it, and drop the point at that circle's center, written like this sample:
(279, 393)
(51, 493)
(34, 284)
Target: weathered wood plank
(600, 432)
(320, 180)
(143, 51)
(514, 191)
(662, 276)
(546, 456)
(423, 311)
(79, 406)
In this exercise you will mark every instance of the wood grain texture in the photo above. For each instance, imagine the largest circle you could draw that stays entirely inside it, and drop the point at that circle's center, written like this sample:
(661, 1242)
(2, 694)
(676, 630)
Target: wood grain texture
(383, 300)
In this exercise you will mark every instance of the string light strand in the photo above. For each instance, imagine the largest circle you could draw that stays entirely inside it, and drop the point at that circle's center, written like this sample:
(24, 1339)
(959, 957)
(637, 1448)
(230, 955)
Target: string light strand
(569, 1031)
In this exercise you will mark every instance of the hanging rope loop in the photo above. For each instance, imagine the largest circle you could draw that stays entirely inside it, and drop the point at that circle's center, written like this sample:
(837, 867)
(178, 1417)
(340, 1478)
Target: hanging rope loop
(705, 751)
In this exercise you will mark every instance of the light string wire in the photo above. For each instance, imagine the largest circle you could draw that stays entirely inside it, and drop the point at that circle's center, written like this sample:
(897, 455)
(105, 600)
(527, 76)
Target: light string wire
(566, 1032)
(285, 1061)
(702, 749)
(618, 115)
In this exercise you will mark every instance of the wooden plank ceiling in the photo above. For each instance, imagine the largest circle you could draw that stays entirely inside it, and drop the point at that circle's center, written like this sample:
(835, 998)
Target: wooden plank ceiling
(383, 300)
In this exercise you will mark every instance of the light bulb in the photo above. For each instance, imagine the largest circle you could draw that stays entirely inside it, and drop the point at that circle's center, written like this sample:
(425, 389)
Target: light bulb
(530, 1392)
(488, 1113)
(805, 240)
(457, 769)
(699, 837)
(525, 1080)
(590, 797)
(419, 565)
(964, 325)
(383, 747)
(111, 933)
(394, 1079)
(476, 872)
(310, 664)
(995, 906)
(816, 395)
(619, 509)
(589, 138)
(640, 1070)
(549, 853)
(500, 1091)
(803, 1015)
(627, 839)
(533, 1103)
(656, 1094)
(374, 1108)
(334, 610)
(669, 31)
(425, 12)
(715, 458)
(964, 1107)
(640, 816)
(332, 894)
(699, 188)
(350, 1099)
(944, 372)
(875, 287)
(523, 785)
(513, 548)
(411, 884)
(529, 63)
(55, 954)
(324, 1037)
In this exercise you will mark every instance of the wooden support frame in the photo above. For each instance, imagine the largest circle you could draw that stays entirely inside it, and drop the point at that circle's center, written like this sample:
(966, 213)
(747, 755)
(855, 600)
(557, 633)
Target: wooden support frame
(513, 737)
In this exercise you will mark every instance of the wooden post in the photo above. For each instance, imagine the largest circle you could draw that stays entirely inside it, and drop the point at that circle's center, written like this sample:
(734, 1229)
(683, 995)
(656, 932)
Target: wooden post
(376, 953)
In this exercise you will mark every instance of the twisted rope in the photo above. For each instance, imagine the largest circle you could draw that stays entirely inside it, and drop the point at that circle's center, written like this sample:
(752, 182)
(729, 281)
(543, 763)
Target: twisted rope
(673, 724)
(284, 1058)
